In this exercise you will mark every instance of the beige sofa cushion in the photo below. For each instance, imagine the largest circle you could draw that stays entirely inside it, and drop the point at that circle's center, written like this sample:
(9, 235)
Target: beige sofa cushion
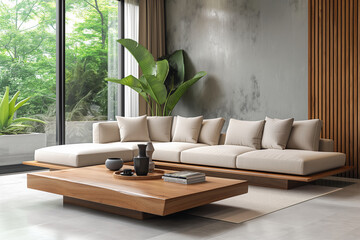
(218, 155)
(187, 129)
(276, 133)
(244, 133)
(105, 132)
(82, 154)
(170, 151)
(326, 145)
(299, 162)
(133, 129)
(210, 131)
(160, 128)
(305, 135)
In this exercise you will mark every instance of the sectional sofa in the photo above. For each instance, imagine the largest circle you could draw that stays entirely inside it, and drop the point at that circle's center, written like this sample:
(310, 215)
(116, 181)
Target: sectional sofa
(271, 152)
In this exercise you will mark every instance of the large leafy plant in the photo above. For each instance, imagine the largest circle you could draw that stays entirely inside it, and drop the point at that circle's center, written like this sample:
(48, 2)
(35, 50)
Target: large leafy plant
(161, 90)
(9, 125)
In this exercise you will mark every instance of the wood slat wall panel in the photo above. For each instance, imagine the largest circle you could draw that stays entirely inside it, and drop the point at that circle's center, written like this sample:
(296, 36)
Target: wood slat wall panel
(335, 137)
(356, 85)
(334, 50)
(352, 84)
(330, 132)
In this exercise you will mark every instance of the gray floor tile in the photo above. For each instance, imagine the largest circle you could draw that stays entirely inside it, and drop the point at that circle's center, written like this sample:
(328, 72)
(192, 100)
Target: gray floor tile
(30, 214)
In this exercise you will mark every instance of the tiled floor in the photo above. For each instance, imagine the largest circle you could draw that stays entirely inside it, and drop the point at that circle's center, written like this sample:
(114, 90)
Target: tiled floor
(29, 214)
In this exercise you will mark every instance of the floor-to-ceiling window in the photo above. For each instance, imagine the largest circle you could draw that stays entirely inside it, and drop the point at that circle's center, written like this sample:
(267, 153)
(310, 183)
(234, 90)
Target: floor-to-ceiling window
(28, 64)
(131, 67)
(92, 55)
(86, 63)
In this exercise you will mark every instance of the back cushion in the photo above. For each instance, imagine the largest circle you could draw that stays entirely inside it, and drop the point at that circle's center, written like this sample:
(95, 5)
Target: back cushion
(245, 133)
(187, 129)
(105, 132)
(159, 128)
(210, 131)
(276, 133)
(133, 129)
(305, 135)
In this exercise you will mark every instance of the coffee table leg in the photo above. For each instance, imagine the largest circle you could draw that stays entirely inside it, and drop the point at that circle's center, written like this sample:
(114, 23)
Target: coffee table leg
(107, 208)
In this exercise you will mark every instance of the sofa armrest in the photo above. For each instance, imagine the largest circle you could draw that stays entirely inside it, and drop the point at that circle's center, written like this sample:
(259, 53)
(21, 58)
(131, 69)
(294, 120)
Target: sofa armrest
(105, 132)
(326, 145)
(222, 139)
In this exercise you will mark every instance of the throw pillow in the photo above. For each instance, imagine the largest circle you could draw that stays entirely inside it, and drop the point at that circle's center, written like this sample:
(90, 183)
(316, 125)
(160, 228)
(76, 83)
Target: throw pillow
(187, 129)
(276, 133)
(305, 135)
(211, 130)
(133, 129)
(245, 133)
(159, 128)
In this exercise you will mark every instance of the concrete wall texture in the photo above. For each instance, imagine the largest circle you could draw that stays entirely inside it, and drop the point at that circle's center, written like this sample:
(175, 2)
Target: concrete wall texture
(254, 51)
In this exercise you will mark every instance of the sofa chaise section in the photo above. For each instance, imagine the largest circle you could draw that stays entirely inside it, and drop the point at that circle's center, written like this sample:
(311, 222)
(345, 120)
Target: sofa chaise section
(82, 154)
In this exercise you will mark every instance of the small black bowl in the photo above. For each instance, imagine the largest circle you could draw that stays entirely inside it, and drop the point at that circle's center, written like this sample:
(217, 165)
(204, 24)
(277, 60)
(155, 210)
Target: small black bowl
(114, 164)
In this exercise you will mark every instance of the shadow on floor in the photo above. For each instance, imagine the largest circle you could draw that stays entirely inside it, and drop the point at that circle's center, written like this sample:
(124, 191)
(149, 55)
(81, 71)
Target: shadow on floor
(18, 168)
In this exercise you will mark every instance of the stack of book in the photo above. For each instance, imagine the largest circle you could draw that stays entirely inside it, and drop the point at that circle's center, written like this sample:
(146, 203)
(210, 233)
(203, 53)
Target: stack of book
(184, 177)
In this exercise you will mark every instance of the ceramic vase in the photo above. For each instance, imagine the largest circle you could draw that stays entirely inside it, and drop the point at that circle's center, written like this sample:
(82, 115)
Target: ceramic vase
(149, 153)
(141, 162)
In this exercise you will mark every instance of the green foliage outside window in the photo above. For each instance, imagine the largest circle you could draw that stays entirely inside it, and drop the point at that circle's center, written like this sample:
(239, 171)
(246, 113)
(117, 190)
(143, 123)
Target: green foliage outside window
(28, 56)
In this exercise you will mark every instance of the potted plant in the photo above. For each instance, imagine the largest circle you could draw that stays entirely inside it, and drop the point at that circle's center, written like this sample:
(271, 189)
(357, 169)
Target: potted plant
(161, 90)
(16, 144)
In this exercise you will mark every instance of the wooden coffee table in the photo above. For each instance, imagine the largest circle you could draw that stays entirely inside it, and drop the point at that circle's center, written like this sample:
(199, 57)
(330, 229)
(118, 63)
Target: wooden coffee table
(95, 187)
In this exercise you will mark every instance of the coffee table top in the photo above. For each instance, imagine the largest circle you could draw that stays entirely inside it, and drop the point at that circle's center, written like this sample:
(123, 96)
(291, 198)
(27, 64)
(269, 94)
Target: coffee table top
(97, 184)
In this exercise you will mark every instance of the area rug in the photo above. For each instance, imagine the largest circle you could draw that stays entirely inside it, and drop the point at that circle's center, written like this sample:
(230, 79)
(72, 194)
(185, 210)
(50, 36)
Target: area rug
(259, 201)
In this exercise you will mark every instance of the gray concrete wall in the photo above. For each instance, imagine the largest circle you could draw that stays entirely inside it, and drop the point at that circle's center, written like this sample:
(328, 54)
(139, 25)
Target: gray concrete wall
(255, 53)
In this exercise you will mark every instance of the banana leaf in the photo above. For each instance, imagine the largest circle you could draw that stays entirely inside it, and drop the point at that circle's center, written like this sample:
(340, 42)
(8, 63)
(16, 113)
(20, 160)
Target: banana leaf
(174, 98)
(155, 89)
(163, 82)
(146, 60)
(176, 74)
(131, 82)
(141, 54)
(162, 70)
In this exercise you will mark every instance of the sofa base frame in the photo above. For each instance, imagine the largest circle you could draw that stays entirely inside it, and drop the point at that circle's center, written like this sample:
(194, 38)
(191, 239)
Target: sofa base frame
(50, 166)
(266, 179)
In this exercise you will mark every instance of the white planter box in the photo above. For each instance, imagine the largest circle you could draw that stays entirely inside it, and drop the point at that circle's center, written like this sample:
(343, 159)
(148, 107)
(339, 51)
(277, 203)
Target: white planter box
(14, 149)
